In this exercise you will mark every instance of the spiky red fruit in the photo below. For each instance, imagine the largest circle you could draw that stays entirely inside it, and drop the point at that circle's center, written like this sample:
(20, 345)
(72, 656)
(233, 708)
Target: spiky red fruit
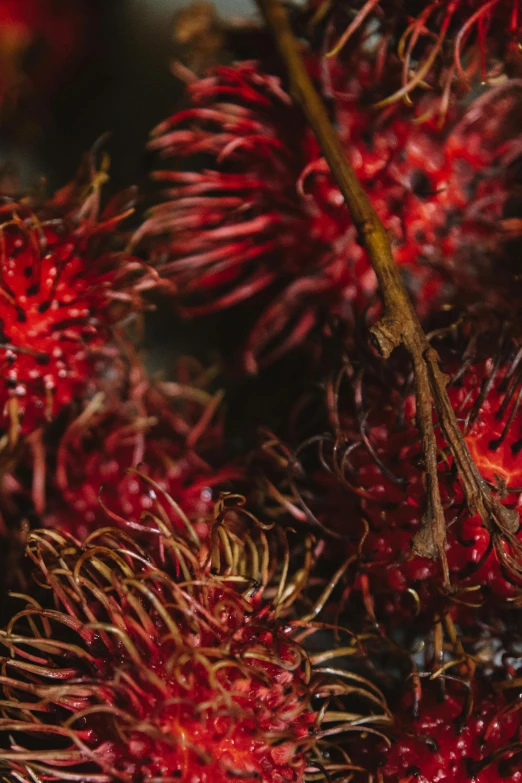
(373, 493)
(448, 44)
(262, 212)
(136, 676)
(60, 294)
(134, 459)
(469, 733)
(393, 494)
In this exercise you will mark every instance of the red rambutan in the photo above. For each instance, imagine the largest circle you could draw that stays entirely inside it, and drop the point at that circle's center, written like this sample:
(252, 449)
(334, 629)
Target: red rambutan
(475, 556)
(446, 44)
(62, 288)
(144, 453)
(470, 732)
(369, 487)
(394, 491)
(261, 213)
(136, 675)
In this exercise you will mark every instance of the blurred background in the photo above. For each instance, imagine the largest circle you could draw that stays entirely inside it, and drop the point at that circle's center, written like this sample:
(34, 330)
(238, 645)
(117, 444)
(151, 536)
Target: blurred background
(72, 70)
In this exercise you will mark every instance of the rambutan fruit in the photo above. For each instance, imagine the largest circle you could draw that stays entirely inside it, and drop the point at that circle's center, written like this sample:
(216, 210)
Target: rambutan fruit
(251, 212)
(467, 732)
(453, 45)
(368, 486)
(477, 557)
(126, 458)
(135, 674)
(62, 290)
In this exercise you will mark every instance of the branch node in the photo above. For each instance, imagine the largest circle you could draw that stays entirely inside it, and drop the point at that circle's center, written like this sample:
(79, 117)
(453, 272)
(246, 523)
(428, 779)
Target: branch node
(424, 544)
(364, 228)
(385, 336)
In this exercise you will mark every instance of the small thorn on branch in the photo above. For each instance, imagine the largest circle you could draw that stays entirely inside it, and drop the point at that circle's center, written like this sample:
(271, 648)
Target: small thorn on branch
(399, 324)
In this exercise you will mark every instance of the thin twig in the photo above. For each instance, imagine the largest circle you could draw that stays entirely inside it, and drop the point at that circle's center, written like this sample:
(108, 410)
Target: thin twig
(399, 324)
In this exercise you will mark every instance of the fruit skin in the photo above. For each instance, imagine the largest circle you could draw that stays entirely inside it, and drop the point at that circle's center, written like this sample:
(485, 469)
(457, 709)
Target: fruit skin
(449, 737)
(257, 216)
(453, 45)
(146, 670)
(133, 456)
(394, 510)
(361, 482)
(62, 290)
(164, 694)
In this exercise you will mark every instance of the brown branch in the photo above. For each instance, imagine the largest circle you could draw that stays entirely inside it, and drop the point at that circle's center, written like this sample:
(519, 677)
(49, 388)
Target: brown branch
(399, 324)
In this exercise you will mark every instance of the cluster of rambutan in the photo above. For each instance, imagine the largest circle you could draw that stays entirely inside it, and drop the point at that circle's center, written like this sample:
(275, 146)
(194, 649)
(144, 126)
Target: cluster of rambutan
(164, 627)
(262, 220)
(183, 665)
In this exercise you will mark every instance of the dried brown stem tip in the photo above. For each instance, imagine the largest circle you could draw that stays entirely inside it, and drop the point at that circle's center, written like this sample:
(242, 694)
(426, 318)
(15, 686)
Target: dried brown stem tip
(400, 324)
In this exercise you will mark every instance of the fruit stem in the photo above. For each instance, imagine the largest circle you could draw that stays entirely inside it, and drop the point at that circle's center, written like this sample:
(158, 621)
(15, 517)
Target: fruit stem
(399, 324)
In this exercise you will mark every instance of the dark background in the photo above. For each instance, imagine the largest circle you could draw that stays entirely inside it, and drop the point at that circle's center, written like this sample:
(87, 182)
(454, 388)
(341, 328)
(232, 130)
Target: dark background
(120, 83)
